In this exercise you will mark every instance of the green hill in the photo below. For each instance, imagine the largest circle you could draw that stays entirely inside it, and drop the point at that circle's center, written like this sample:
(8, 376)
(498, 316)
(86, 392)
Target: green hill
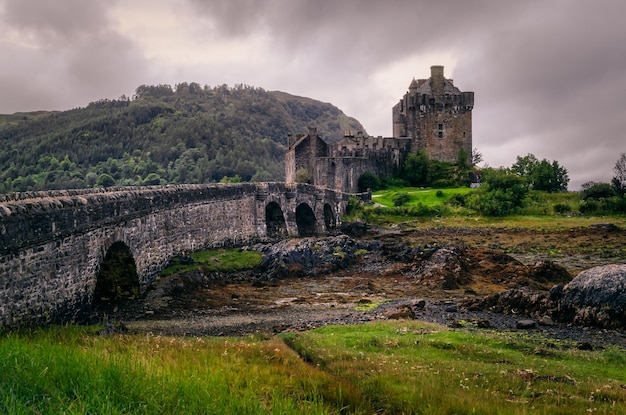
(186, 134)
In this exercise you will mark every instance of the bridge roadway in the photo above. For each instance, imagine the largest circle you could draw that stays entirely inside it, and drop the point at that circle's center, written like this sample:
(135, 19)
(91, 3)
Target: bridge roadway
(58, 249)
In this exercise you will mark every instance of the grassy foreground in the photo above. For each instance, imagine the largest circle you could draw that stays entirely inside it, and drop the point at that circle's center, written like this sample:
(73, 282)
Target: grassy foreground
(401, 367)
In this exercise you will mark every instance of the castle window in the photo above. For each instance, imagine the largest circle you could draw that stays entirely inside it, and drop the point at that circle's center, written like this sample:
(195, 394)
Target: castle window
(440, 131)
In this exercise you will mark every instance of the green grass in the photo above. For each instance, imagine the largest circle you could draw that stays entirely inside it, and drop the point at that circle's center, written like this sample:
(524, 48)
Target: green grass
(223, 260)
(70, 370)
(399, 367)
(425, 196)
(426, 209)
(414, 368)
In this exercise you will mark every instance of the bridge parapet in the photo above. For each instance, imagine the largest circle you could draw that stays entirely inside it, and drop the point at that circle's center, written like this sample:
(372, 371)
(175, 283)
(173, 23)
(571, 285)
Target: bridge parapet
(52, 244)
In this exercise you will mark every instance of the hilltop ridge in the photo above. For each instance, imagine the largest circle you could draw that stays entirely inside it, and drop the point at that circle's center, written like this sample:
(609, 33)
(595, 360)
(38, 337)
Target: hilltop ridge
(183, 134)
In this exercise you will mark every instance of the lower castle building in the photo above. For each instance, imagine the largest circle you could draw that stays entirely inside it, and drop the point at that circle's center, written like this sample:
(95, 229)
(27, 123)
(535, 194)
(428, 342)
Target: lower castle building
(434, 116)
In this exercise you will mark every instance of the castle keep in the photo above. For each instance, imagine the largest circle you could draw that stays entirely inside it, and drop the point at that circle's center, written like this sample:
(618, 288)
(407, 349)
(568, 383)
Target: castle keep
(434, 116)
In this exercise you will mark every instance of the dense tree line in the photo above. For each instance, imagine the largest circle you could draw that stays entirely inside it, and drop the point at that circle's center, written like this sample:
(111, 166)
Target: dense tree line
(186, 134)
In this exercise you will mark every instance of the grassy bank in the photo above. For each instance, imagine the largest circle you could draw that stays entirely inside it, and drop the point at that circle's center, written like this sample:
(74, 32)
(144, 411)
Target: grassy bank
(426, 207)
(391, 367)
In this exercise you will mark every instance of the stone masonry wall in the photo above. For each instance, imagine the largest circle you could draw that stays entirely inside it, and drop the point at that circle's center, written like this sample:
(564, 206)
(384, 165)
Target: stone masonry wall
(52, 244)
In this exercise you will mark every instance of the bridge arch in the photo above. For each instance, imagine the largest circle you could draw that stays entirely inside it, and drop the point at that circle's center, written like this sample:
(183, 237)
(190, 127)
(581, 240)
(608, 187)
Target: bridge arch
(305, 220)
(330, 219)
(275, 220)
(117, 279)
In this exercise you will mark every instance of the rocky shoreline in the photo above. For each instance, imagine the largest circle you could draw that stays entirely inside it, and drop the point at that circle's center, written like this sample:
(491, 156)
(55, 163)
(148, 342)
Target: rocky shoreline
(456, 282)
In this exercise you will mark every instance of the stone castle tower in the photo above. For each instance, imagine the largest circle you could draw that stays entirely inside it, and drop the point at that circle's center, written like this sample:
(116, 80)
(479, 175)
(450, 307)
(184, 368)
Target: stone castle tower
(434, 116)
(437, 116)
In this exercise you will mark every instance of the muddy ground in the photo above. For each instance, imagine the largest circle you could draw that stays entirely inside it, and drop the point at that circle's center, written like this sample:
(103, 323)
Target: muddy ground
(379, 283)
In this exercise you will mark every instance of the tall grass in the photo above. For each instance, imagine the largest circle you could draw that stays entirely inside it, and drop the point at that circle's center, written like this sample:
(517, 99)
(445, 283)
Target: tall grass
(70, 370)
(400, 367)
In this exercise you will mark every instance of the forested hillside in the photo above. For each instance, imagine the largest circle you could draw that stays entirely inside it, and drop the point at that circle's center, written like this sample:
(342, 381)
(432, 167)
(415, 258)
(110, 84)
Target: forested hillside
(186, 134)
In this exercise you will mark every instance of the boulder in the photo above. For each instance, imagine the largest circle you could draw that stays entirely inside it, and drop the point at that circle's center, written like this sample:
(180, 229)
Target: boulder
(308, 256)
(601, 287)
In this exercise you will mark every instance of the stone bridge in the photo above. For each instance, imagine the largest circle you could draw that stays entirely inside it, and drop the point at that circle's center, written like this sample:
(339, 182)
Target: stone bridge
(59, 249)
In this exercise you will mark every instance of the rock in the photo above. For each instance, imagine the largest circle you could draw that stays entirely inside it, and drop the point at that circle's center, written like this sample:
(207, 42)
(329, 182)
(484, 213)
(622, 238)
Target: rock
(401, 312)
(447, 266)
(356, 229)
(418, 304)
(308, 256)
(526, 324)
(548, 271)
(546, 321)
(601, 287)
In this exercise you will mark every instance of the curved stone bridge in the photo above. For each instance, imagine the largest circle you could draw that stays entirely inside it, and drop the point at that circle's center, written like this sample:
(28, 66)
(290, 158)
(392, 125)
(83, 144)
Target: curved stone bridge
(55, 245)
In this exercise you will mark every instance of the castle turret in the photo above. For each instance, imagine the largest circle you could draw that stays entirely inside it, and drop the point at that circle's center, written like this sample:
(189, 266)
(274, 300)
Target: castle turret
(436, 76)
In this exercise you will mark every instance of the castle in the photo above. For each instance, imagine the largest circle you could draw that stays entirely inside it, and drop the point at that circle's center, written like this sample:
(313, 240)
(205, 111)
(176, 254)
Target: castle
(434, 116)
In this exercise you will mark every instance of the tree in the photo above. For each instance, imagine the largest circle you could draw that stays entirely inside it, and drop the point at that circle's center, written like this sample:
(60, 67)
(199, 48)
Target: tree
(105, 180)
(549, 177)
(619, 180)
(542, 175)
(477, 157)
(152, 179)
(416, 169)
(524, 165)
(368, 180)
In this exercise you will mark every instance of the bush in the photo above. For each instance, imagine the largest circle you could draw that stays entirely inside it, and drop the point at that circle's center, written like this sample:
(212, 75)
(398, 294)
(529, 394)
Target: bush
(302, 176)
(457, 200)
(598, 191)
(503, 194)
(562, 208)
(400, 199)
(609, 206)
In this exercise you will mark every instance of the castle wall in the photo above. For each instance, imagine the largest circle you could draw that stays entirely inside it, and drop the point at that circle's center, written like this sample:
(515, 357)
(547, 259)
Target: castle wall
(444, 134)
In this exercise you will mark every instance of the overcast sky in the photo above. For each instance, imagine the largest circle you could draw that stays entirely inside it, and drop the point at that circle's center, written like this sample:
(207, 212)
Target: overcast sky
(549, 76)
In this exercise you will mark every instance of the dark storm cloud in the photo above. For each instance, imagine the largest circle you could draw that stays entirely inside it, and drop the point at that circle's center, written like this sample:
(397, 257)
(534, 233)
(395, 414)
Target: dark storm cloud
(68, 56)
(55, 21)
(367, 31)
(549, 76)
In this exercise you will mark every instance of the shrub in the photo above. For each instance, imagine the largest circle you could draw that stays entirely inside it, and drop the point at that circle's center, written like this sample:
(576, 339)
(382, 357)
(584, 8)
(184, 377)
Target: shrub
(400, 199)
(302, 176)
(598, 191)
(457, 200)
(562, 208)
(503, 194)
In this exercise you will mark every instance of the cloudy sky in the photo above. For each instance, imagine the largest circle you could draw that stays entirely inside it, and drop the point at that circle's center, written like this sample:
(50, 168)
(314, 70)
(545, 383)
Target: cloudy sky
(549, 75)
